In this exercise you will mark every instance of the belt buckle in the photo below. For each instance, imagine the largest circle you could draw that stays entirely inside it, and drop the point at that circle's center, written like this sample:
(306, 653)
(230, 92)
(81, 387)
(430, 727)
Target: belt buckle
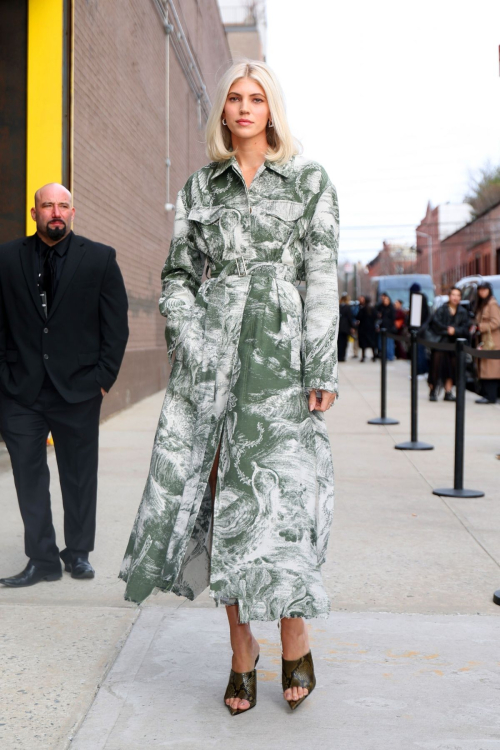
(242, 260)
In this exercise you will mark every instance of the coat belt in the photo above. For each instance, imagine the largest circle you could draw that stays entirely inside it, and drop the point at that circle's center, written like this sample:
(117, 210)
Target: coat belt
(242, 267)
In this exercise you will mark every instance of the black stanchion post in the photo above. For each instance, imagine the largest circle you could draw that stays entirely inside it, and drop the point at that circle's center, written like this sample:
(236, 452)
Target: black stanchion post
(383, 419)
(414, 444)
(458, 489)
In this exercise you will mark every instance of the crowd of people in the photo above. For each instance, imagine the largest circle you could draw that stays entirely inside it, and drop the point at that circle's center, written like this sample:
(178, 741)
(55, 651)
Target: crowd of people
(362, 322)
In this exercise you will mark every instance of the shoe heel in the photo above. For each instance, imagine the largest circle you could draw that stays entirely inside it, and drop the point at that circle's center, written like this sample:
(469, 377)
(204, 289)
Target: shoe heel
(52, 577)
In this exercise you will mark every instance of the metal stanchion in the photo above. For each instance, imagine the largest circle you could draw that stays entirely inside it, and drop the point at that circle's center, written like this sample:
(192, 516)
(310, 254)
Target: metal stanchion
(458, 489)
(383, 419)
(414, 444)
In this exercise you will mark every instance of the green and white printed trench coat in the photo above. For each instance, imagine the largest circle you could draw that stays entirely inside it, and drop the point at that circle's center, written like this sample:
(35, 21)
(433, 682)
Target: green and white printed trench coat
(247, 350)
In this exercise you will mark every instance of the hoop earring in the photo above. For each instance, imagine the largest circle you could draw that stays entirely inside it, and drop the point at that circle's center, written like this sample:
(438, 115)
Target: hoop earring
(270, 124)
(224, 122)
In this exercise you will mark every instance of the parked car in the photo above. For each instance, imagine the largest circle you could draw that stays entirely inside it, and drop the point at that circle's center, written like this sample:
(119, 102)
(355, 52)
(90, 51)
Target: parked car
(398, 287)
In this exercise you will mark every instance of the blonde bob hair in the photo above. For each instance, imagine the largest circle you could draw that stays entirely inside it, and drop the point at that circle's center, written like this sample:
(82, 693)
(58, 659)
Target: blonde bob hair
(282, 144)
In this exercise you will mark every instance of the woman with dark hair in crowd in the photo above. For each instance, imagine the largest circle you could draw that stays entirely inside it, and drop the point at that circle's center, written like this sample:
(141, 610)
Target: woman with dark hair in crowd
(488, 328)
(386, 319)
(449, 322)
(367, 336)
(346, 325)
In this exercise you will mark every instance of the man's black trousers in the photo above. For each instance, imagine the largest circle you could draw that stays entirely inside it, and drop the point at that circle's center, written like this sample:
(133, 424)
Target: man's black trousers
(75, 430)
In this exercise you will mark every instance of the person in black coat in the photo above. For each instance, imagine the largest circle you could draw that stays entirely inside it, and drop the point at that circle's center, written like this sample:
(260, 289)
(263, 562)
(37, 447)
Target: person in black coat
(386, 319)
(63, 332)
(346, 325)
(449, 322)
(422, 361)
(367, 318)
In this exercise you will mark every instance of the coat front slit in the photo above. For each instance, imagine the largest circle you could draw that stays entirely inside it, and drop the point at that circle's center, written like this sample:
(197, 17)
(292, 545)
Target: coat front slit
(247, 351)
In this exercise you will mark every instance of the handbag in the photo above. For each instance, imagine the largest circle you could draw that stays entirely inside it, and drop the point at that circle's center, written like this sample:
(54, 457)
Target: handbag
(427, 333)
(487, 341)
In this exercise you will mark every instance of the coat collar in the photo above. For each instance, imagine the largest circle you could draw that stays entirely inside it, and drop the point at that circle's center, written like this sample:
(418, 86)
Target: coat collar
(282, 169)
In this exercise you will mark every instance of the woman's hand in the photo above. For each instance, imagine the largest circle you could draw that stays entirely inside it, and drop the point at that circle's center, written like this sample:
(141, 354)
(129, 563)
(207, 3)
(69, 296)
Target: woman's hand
(323, 403)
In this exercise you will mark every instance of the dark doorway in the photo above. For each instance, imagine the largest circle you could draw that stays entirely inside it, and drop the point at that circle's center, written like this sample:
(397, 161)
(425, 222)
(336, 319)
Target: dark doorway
(13, 60)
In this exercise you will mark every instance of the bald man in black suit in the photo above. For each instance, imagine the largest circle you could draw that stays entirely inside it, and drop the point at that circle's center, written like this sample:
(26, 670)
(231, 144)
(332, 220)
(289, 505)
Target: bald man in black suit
(63, 332)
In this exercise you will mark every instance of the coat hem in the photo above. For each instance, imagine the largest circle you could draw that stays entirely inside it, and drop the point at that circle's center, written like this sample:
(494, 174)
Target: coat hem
(253, 612)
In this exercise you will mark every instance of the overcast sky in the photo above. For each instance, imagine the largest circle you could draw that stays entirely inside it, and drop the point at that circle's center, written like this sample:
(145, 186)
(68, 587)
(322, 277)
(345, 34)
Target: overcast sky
(399, 101)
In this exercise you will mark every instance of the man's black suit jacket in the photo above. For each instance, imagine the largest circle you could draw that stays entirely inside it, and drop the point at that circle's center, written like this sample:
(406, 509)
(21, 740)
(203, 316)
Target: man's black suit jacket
(82, 342)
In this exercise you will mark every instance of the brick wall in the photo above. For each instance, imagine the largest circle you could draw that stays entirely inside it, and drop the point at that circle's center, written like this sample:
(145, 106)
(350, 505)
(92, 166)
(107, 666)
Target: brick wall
(119, 173)
(474, 249)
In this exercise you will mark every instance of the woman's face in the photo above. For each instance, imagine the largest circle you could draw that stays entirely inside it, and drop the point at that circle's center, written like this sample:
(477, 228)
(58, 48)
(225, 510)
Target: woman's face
(483, 293)
(455, 297)
(246, 110)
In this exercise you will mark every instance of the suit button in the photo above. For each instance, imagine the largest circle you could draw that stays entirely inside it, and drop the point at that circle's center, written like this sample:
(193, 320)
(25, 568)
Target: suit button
(45, 356)
(45, 330)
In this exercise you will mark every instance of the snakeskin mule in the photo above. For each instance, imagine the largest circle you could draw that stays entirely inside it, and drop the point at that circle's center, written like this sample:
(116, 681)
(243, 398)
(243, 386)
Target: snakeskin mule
(298, 673)
(242, 685)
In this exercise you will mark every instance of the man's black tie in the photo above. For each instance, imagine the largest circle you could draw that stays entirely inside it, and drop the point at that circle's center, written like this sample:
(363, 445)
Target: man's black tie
(47, 277)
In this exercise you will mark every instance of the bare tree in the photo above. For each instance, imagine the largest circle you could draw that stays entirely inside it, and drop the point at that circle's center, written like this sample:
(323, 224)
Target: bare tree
(484, 189)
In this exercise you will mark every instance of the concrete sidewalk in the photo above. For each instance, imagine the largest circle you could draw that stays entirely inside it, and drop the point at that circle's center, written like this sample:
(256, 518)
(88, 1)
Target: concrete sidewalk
(408, 658)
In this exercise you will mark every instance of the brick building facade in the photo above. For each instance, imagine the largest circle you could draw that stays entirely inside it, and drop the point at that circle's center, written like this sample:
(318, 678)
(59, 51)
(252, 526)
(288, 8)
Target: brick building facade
(472, 250)
(437, 224)
(124, 130)
(394, 258)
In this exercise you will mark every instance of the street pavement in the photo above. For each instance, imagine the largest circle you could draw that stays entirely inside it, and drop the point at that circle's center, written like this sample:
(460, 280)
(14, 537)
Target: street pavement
(408, 658)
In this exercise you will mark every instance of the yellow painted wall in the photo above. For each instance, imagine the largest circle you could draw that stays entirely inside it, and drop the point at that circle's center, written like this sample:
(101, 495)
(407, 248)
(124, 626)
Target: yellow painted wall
(44, 131)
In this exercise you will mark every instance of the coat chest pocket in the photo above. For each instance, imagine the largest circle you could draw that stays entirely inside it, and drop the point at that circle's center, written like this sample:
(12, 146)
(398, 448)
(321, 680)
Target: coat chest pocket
(278, 218)
(206, 220)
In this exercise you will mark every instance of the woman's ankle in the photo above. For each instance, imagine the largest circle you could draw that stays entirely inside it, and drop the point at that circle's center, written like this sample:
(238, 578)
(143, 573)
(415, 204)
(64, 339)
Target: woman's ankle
(294, 638)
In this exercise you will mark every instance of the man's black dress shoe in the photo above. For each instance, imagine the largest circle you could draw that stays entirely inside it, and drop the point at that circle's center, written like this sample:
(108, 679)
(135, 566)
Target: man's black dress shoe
(32, 574)
(484, 401)
(79, 567)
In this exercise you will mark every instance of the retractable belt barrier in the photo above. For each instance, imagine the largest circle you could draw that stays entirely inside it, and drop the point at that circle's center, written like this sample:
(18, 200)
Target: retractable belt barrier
(460, 348)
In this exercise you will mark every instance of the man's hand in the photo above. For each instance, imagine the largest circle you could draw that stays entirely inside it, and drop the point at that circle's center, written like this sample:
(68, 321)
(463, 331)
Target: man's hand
(323, 403)
(451, 331)
(103, 392)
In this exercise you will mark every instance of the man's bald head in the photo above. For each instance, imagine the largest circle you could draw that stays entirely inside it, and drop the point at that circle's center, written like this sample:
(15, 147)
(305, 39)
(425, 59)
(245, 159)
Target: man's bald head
(53, 189)
(53, 212)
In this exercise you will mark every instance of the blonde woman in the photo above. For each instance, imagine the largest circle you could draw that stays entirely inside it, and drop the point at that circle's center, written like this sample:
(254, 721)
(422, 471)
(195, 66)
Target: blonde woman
(240, 492)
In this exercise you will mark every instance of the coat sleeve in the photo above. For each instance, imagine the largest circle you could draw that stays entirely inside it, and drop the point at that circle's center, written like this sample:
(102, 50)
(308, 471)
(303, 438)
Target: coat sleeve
(321, 312)
(463, 325)
(181, 275)
(490, 320)
(3, 334)
(438, 324)
(113, 308)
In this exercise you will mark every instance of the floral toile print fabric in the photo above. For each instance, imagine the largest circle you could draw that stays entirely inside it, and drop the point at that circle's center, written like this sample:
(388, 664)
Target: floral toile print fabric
(247, 350)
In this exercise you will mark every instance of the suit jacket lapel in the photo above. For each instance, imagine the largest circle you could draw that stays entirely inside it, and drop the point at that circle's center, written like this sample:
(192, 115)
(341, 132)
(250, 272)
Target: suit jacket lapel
(27, 254)
(74, 255)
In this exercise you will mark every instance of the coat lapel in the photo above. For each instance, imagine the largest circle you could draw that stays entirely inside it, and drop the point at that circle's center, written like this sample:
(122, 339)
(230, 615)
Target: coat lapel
(74, 255)
(28, 264)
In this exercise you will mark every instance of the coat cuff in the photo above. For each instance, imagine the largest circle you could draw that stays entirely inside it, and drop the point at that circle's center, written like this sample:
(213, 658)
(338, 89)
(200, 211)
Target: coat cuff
(104, 379)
